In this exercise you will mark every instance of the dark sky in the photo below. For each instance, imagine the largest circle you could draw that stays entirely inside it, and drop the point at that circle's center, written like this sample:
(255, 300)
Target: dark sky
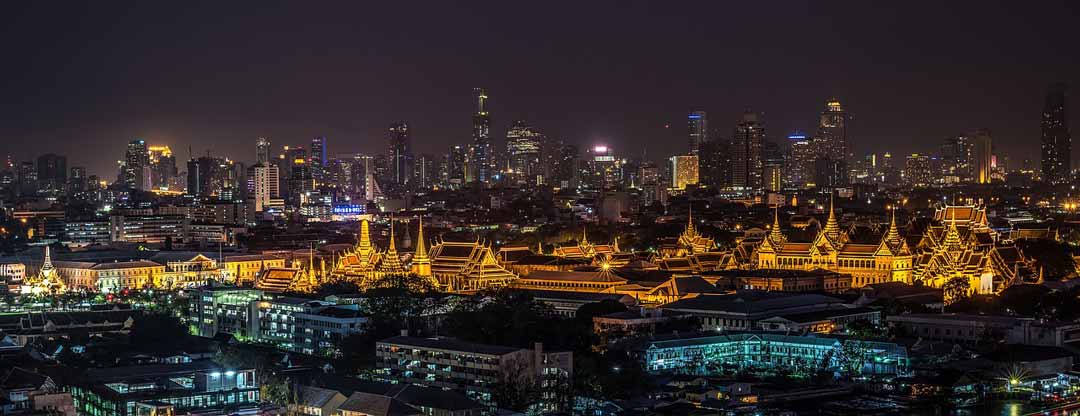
(82, 79)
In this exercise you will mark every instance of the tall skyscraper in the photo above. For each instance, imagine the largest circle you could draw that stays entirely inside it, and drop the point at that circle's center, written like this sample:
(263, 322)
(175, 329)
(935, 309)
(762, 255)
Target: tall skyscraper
(747, 158)
(52, 172)
(714, 162)
(523, 145)
(263, 152)
(400, 154)
(77, 180)
(457, 166)
(832, 145)
(1056, 139)
(319, 160)
(957, 159)
(772, 168)
(134, 173)
(698, 127)
(983, 153)
(684, 171)
(163, 171)
(482, 161)
(800, 169)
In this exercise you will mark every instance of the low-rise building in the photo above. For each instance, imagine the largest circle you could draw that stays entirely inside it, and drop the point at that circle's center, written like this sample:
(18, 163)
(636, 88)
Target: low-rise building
(743, 310)
(470, 368)
(967, 328)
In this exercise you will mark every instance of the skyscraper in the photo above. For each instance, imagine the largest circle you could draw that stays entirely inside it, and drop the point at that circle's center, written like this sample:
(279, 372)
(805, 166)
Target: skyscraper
(714, 162)
(162, 168)
(482, 161)
(1056, 139)
(698, 125)
(800, 170)
(747, 147)
(318, 159)
(134, 173)
(262, 150)
(772, 168)
(983, 154)
(457, 166)
(684, 171)
(957, 159)
(832, 145)
(399, 154)
(523, 144)
(52, 172)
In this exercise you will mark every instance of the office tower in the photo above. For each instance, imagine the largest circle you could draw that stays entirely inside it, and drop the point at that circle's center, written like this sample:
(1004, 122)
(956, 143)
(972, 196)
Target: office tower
(832, 145)
(801, 169)
(651, 186)
(523, 147)
(263, 185)
(52, 172)
(134, 174)
(772, 168)
(684, 171)
(698, 127)
(957, 159)
(400, 154)
(77, 179)
(457, 167)
(983, 155)
(162, 166)
(28, 179)
(564, 166)
(263, 151)
(917, 171)
(714, 160)
(424, 173)
(602, 169)
(481, 162)
(1056, 139)
(318, 162)
(212, 177)
(747, 146)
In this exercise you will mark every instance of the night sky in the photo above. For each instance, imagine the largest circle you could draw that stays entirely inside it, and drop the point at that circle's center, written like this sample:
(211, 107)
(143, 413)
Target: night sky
(83, 79)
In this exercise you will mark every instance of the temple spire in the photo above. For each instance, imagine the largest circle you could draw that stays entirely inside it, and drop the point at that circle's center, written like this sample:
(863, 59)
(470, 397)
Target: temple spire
(421, 251)
(363, 247)
(774, 233)
(393, 247)
(832, 227)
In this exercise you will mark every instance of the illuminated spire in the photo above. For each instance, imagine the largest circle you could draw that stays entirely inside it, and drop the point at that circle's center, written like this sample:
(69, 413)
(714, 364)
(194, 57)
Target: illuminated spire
(421, 251)
(363, 247)
(584, 235)
(774, 233)
(393, 246)
(893, 236)
(832, 227)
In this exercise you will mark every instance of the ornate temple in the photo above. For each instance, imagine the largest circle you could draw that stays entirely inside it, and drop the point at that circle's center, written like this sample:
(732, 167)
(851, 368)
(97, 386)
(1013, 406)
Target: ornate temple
(467, 266)
(366, 265)
(689, 243)
(964, 246)
(47, 281)
(832, 249)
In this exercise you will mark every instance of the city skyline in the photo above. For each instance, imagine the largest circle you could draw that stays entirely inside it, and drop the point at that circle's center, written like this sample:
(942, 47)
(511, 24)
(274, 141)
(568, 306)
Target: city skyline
(570, 91)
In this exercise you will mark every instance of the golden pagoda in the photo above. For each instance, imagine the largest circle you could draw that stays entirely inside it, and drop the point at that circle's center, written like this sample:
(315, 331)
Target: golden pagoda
(47, 281)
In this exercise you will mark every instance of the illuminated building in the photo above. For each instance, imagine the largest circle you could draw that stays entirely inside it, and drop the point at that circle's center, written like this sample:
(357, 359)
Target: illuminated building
(52, 172)
(762, 350)
(1056, 139)
(684, 171)
(263, 150)
(698, 126)
(366, 265)
(772, 169)
(264, 179)
(832, 145)
(983, 154)
(714, 162)
(964, 246)
(47, 281)
(400, 154)
(801, 169)
(832, 250)
(478, 369)
(602, 169)
(136, 159)
(917, 171)
(747, 153)
(689, 243)
(163, 173)
(317, 159)
(467, 266)
(523, 145)
(482, 151)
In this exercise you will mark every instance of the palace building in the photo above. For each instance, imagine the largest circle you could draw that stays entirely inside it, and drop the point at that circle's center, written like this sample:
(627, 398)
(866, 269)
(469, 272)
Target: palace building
(47, 281)
(467, 266)
(832, 249)
(366, 265)
(964, 246)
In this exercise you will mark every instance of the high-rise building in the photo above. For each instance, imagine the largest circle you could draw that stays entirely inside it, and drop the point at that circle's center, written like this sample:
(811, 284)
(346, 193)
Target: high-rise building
(318, 159)
(134, 172)
(832, 145)
(917, 171)
(714, 162)
(1056, 137)
(400, 154)
(482, 161)
(602, 170)
(523, 146)
(77, 180)
(28, 179)
(983, 155)
(457, 166)
(957, 157)
(698, 127)
(163, 170)
(424, 173)
(52, 172)
(800, 170)
(263, 151)
(772, 168)
(747, 158)
(684, 171)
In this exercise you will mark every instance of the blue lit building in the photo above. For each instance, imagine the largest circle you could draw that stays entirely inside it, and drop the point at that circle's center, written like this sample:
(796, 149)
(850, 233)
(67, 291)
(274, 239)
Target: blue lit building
(707, 354)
